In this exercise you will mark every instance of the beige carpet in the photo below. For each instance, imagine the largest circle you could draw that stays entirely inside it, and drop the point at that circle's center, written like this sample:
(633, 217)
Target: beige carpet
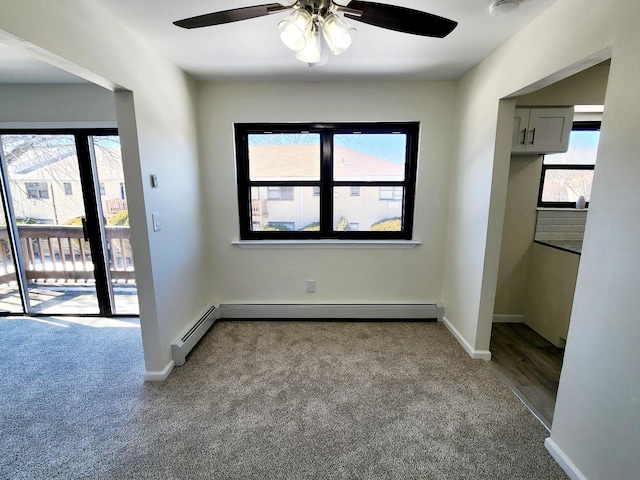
(260, 400)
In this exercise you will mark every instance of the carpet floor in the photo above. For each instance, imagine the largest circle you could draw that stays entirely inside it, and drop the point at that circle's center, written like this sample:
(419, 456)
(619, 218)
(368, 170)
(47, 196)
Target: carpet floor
(260, 400)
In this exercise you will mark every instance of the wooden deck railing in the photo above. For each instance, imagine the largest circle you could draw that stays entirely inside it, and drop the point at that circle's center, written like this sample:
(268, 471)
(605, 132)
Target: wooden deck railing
(60, 252)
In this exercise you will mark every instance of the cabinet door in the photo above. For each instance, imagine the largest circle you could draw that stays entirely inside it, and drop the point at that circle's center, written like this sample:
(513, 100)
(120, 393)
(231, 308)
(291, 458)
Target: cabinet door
(520, 124)
(549, 130)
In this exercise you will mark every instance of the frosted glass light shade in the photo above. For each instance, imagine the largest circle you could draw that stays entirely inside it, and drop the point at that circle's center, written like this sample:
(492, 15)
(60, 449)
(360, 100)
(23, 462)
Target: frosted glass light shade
(338, 33)
(295, 29)
(313, 49)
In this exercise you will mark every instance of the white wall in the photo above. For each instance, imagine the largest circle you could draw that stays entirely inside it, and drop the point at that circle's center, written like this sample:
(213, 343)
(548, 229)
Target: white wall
(354, 275)
(41, 105)
(597, 418)
(517, 236)
(156, 120)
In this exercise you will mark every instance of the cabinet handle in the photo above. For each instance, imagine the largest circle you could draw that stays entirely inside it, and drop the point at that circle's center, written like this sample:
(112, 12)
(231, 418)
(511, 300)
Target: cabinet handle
(533, 136)
(524, 136)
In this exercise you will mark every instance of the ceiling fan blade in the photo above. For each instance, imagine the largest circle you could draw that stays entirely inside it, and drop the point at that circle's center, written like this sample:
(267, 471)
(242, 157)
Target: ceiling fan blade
(228, 16)
(401, 19)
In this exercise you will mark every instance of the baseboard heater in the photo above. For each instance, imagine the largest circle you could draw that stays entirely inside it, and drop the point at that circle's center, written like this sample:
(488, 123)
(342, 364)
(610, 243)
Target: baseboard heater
(190, 337)
(333, 311)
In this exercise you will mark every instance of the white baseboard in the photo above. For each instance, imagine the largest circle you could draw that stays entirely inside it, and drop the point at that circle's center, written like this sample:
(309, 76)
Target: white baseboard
(473, 353)
(559, 456)
(387, 311)
(505, 318)
(159, 376)
(188, 339)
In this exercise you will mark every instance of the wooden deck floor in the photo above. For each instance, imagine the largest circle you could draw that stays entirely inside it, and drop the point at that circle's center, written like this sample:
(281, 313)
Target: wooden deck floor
(529, 364)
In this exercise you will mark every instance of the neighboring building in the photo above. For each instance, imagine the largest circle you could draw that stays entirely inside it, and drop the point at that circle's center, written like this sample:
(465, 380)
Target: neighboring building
(45, 184)
(296, 208)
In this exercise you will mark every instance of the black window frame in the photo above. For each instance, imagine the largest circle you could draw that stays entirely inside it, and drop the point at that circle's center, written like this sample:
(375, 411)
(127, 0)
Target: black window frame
(326, 183)
(592, 125)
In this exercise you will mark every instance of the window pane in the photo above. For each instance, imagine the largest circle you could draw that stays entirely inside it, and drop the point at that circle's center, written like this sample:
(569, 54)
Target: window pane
(369, 157)
(583, 147)
(115, 209)
(566, 185)
(369, 211)
(284, 156)
(300, 211)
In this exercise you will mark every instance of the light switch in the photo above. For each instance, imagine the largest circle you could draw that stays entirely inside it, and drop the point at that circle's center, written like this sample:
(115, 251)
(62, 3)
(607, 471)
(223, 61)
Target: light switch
(155, 218)
(154, 181)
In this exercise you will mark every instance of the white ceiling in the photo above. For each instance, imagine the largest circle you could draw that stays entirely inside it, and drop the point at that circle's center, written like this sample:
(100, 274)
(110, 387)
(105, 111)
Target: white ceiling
(252, 48)
(17, 67)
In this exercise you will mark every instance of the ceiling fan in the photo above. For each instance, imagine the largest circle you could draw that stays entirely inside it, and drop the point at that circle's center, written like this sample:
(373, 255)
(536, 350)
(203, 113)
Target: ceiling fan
(301, 30)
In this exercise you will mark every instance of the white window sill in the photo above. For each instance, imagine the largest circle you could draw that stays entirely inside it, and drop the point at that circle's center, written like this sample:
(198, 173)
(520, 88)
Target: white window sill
(561, 209)
(321, 244)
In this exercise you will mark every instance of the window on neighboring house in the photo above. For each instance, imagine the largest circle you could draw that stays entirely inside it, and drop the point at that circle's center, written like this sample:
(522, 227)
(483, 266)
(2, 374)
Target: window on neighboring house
(68, 188)
(566, 176)
(391, 193)
(279, 193)
(333, 177)
(102, 189)
(37, 190)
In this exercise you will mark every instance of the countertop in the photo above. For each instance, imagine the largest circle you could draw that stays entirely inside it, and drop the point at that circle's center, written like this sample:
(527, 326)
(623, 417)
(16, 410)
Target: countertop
(571, 246)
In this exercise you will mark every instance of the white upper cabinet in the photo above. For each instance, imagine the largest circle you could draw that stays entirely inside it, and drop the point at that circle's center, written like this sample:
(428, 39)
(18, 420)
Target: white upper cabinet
(541, 130)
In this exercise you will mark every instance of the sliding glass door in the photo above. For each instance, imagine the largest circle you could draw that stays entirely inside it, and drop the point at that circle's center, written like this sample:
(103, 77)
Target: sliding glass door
(115, 214)
(57, 210)
(10, 298)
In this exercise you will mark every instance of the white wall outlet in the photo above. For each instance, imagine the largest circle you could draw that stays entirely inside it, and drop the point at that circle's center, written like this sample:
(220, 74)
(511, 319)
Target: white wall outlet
(155, 219)
(311, 286)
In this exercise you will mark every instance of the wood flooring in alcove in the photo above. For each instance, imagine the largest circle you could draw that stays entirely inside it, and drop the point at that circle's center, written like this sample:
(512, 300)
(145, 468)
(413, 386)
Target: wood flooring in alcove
(529, 364)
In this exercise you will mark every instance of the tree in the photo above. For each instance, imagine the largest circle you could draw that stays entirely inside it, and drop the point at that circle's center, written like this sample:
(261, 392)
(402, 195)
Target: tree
(312, 227)
(387, 225)
(74, 221)
(120, 218)
(343, 225)
(278, 227)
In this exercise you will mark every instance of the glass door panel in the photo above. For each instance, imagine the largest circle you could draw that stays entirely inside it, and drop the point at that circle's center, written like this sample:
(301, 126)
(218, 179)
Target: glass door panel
(10, 299)
(48, 205)
(113, 199)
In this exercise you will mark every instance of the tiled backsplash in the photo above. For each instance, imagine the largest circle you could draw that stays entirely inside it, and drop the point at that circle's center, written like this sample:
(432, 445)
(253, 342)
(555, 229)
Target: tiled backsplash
(560, 224)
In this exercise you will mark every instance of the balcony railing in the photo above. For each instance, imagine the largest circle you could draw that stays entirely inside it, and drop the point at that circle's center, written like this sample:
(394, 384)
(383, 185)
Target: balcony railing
(258, 208)
(60, 252)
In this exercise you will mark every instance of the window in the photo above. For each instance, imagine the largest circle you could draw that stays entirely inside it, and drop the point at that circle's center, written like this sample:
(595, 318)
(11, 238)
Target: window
(279, 193)
(391, 193)
(68, 188)
(37, 190)
(566, 176)
(102, 189)
(314, 181)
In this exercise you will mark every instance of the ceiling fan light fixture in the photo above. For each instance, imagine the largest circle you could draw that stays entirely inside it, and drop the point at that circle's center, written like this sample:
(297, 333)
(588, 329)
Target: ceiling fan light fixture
(338, 33)
(503, 7)
(295, 29)
(312, 52)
